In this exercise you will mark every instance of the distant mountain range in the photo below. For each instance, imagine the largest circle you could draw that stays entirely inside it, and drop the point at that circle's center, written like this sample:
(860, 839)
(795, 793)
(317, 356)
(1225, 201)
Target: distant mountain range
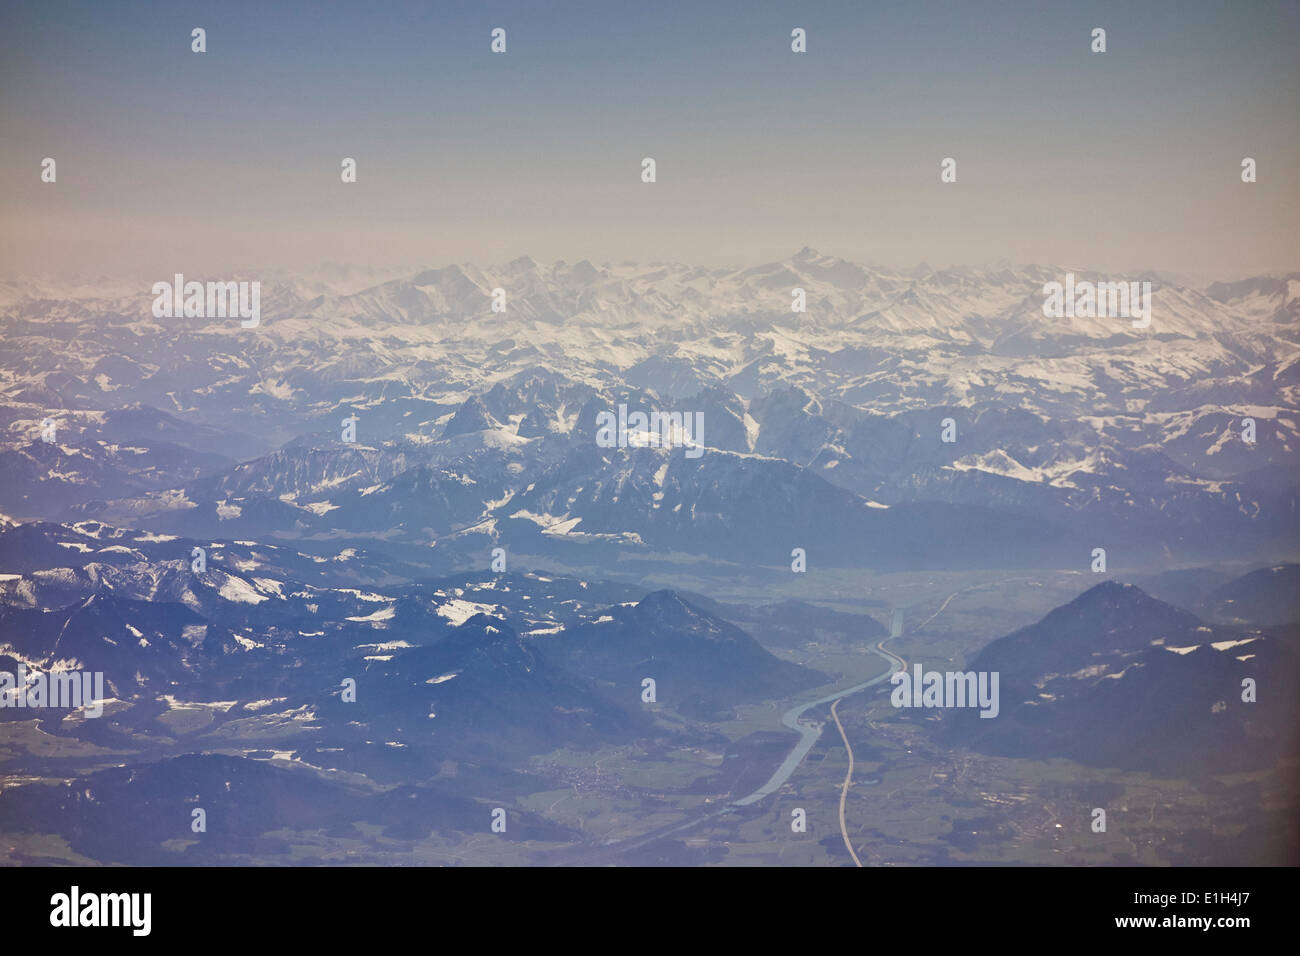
(477, 429)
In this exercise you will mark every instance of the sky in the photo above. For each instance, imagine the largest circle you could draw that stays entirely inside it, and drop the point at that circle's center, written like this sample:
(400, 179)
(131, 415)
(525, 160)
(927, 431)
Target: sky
(175, 161)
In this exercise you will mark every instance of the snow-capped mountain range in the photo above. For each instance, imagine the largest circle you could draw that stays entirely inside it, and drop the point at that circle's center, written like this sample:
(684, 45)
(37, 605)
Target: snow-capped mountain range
(475, 425)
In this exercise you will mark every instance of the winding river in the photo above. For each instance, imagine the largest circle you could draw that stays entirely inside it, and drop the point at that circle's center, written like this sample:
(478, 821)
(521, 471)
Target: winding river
(809, 731)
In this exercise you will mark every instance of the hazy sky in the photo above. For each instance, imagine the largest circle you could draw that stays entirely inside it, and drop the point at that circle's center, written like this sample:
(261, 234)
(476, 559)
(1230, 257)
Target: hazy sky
(173, 161)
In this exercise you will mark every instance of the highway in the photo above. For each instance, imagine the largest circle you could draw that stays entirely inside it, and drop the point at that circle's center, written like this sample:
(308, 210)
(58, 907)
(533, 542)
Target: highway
(844, 791)
(810, 731)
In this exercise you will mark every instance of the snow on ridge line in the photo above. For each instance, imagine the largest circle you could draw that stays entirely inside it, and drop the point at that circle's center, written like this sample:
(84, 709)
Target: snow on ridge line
(458, 610)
